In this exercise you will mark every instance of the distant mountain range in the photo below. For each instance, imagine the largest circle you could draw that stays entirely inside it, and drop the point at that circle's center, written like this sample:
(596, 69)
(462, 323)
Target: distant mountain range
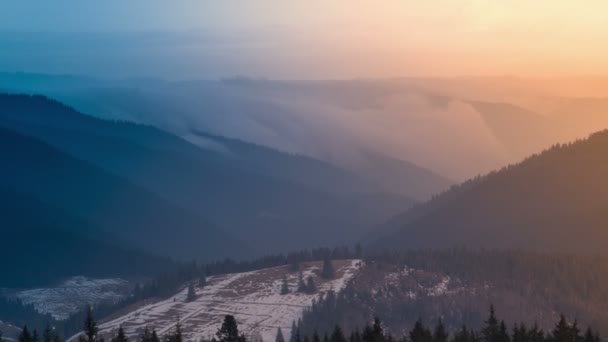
(448, 130)
(553, 201)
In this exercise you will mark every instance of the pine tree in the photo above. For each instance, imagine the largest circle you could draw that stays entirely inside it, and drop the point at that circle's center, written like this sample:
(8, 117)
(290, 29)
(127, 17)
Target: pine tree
(420, 333)
(337, 335)
(310, 285)
(358, 251)
(328, 268)
(146, 336)
(520, 333)
(154, 337)
(1, 336)
(536, 334)
(191, 296)
(35, 337)
(491, 330)
(175, 336)
(279, 337)
(463, 335)
(50, 335)
(120, 337)
(590, 336)
(25, 335)
(90, 326)
(440, 335)
(284, 286)
(315, 337)
(229, 331)
(503, 334)
(294, 328)
(373, 333)
(563, 332)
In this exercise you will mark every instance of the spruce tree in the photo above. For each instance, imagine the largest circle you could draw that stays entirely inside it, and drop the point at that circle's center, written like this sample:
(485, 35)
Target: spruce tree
(229, 331)
(463, 335)
(503, 334)
(301, 283)
(25, 335)
(420, 333)
(35, 337)
(315, 337)
(175, 336)
(279, 337)
(146, 336)
(154, 337)
(562, 331)
(491, 330)
(520, 333)
(191, 296)
(440, 335)
(310, 285)
(328, 268)
(337, 335)
(536, 334)
(1, 336)
(284, 286)
(590, 336)
(50, 335)
(120, 337)
(294, 328)
(90, 326)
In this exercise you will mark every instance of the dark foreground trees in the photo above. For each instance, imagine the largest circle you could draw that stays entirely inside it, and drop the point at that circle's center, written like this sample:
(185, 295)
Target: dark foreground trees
(493, 330)
(229, 331)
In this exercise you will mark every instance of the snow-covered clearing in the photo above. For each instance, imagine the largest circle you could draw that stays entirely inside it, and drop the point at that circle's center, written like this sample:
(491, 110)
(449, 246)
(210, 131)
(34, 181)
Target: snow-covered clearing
(253, 298)
(73, 294)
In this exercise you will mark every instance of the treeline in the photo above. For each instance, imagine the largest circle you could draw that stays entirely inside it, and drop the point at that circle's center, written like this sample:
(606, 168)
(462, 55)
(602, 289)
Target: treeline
(493, 330)
(581, 278)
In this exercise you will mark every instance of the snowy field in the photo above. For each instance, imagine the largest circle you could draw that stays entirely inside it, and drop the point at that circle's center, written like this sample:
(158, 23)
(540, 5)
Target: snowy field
(253, 298)
(73, 294)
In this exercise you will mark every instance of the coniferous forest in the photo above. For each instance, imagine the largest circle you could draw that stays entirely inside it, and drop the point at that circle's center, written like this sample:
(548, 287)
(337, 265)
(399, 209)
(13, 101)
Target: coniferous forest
(492, 330)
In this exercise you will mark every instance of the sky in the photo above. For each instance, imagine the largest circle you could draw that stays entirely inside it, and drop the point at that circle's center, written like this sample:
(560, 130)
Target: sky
(305, 39)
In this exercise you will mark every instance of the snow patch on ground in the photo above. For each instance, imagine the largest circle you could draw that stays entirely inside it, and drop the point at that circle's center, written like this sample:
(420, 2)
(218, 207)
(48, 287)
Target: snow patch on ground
(73, 294)
(252, 297)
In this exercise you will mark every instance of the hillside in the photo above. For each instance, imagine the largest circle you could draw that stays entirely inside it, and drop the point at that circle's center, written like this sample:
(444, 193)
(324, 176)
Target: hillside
(274, 201)
(114, 207)
(253, 298)
(555, 200)
(458, 286)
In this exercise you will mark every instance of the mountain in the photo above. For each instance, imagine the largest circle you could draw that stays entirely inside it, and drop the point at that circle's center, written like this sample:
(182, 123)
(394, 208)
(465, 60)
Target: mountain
(272, 200)
(342, 123)
(555, 201)
(112, 205)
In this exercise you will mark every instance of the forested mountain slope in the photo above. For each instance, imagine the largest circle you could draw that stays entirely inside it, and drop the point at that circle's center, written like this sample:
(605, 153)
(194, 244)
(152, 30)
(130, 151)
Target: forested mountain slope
(110, 204)
(272, 200)
(556, 200)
